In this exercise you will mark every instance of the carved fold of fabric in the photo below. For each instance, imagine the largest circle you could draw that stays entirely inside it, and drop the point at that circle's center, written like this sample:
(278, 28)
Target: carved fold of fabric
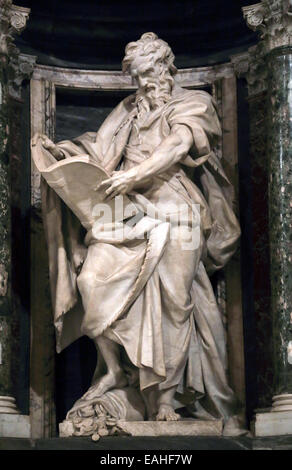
(219, 399)
(64, 259)
(160, 319)
(108, 287)
(205, 385)
(120, 404)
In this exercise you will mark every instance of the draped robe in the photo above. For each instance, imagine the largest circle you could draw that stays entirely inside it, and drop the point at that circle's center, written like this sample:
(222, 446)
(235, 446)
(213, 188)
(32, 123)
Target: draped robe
(149, 294)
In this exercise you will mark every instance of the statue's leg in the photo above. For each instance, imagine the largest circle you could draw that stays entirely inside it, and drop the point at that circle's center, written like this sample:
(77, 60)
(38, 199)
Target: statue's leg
(177, 269)
(115, 376)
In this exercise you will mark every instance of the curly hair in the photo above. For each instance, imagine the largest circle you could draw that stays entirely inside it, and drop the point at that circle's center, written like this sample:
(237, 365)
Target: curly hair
(149, 45)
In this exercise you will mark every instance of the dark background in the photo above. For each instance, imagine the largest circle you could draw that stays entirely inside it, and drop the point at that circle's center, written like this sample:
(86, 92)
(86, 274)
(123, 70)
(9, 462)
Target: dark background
(93, 33)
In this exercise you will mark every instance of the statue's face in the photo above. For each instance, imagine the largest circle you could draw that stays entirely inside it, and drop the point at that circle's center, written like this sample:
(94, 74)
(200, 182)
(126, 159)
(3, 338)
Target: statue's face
(153, 79)
(146, 73)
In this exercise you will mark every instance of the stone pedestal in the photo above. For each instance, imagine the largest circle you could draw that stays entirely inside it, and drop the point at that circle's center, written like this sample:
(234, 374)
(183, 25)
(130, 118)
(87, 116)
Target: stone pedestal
(172, 428)
(159, 428)
(14, 425)
(277, 423)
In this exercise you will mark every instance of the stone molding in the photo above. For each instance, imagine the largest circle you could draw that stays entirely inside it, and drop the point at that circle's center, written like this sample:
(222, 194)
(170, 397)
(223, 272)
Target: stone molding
(273, 20)
(251, 65)
(272, 424)
(282, 402)
(117, 80)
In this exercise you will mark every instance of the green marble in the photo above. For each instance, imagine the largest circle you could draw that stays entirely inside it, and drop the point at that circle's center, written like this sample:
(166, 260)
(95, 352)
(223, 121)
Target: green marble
(4, 197)
(5, 366)
(262, 321)
(5, 252)
(279, 113)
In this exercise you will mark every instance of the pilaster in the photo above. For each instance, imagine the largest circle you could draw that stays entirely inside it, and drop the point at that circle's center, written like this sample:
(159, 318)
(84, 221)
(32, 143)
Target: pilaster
(12, 21)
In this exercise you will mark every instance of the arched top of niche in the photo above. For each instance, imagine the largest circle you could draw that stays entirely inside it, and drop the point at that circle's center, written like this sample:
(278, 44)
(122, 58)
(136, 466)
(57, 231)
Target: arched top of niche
(117, 80)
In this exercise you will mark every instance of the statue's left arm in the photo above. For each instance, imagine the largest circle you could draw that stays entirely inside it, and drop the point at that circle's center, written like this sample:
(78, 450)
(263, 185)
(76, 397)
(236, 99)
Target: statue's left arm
(173, 148)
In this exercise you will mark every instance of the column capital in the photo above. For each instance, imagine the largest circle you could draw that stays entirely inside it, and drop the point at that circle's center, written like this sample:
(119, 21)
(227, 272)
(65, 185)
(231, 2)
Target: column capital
(13, 20)
(273, 20)
(20, 68)
(251, 66)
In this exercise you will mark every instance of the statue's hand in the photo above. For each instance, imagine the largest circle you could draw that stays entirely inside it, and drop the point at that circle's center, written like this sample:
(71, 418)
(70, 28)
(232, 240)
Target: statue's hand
(51, 147)
(122, 182)
(35, 139)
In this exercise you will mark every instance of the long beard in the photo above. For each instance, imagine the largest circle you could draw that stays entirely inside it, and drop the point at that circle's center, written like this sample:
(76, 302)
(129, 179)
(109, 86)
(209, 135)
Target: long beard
(157, 93)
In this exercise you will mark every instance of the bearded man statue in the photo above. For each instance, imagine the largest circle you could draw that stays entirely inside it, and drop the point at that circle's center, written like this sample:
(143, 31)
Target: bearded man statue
(147, 301)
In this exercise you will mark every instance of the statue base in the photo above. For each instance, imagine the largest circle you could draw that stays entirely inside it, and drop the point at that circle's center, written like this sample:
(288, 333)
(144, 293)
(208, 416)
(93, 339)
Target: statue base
(272, 423)
(173, 428)
(15, 425)
(190, 427)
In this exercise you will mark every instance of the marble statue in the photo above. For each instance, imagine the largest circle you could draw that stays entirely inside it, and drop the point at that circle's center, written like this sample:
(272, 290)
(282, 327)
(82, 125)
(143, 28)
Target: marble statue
(139, 286)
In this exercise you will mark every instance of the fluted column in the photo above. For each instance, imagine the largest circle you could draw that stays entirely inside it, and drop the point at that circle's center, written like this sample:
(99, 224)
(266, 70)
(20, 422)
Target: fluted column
(273, 20)
(12, 21)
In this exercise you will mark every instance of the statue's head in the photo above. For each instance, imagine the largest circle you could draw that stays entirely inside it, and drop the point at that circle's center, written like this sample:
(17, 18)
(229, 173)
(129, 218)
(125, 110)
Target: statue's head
(150, 61)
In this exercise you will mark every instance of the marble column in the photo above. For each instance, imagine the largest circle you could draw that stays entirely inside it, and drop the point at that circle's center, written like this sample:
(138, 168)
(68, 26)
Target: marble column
(279, 105)
(12, 20)
(273, 19)
(7, 402)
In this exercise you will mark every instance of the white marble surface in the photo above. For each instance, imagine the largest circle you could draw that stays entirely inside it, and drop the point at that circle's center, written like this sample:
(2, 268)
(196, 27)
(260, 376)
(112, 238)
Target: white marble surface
(158, 428)
(117, 80)
(282, 403)
(273, 424)
(172, 428)
(14, 425)
(8, 405)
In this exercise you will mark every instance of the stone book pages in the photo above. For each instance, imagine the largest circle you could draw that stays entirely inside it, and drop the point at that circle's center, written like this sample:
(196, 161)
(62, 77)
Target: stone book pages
(75, 180)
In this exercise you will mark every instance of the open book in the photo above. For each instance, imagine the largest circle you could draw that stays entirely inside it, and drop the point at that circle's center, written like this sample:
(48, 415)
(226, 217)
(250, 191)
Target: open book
(75, 180)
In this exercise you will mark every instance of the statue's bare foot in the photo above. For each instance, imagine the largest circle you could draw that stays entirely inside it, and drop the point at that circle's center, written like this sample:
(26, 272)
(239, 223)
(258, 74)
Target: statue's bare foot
(106, 383)
(167, 413)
